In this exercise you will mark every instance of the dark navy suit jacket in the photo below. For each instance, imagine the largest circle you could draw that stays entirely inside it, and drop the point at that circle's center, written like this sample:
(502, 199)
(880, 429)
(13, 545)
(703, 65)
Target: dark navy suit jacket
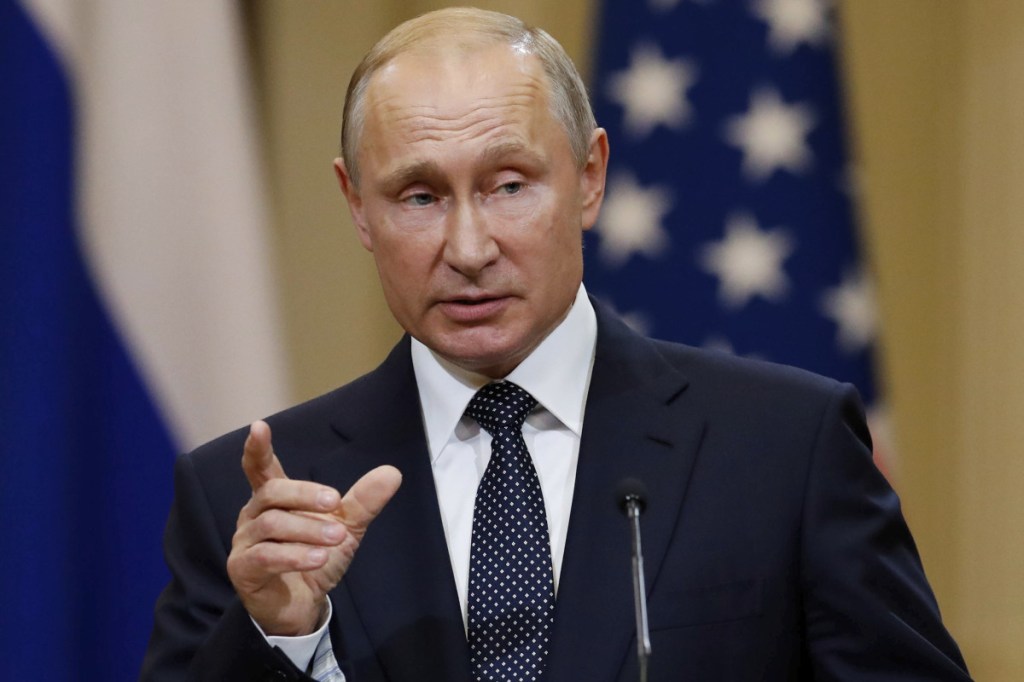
(774, 548)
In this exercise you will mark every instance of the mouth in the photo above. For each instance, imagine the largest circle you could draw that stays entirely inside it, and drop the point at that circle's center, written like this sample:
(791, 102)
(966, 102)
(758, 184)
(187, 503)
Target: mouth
(469, 309)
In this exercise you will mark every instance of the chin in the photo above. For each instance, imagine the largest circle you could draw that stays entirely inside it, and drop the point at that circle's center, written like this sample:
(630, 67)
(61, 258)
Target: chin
(492, 362)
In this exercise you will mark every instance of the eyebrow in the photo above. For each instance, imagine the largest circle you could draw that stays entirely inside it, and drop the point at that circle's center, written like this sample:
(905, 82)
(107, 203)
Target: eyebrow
(413, 172)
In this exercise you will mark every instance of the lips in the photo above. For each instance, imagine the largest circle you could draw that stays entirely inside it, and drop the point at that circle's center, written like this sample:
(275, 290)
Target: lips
(473, 308)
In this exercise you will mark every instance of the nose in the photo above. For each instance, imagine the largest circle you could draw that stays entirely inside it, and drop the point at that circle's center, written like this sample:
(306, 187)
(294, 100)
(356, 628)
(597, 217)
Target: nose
(469, 245)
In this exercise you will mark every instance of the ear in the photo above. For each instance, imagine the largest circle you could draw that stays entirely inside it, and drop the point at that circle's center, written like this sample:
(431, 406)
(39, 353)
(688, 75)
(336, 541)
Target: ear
(592, 178)
(355, 203)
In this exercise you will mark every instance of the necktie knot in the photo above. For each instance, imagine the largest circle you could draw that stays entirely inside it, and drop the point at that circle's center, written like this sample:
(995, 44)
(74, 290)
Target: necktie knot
(500, 406)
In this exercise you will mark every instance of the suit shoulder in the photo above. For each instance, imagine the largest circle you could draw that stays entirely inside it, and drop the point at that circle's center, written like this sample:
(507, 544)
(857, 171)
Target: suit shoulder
(703, 368)
(706, 367)
(765, 399)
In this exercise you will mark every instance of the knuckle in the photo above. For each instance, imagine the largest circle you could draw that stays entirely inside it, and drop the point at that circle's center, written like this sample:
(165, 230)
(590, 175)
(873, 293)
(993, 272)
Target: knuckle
(262, 556)
(269, 524)
(243, 571)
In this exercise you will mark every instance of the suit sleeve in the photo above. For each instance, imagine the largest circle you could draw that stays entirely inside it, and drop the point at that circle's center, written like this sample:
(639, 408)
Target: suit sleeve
(870, 613)
(201, 630)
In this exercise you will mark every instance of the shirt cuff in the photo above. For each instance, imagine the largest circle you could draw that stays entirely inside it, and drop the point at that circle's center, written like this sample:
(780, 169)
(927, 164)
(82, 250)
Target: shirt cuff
(299, 650)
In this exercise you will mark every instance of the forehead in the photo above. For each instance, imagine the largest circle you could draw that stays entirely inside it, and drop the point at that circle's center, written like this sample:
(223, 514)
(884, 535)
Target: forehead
(431, 97)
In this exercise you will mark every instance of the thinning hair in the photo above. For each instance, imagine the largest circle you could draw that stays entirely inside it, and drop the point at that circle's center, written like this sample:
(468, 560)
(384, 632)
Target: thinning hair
(467, 28)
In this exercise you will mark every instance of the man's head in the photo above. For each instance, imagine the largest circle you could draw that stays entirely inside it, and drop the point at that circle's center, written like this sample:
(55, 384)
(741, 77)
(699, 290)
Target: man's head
(472, 165)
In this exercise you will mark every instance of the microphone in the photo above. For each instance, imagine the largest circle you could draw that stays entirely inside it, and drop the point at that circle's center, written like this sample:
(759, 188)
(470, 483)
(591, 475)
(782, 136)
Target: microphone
(631, 495)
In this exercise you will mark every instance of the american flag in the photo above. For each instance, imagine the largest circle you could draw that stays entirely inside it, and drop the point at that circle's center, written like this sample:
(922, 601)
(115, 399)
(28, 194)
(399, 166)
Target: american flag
(728, 218)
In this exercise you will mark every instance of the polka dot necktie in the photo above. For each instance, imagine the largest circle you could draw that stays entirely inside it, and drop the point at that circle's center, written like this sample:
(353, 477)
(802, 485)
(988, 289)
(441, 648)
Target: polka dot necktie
(511, 585)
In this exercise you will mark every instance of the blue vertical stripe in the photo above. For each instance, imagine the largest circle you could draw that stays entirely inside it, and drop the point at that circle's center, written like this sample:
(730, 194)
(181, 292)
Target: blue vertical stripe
(86, 459)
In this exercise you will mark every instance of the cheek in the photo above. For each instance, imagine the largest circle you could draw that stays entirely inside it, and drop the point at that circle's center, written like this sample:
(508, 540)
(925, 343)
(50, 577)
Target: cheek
(540, 218)
(564, 237)
(553, 264)
(399, 265)
(403, 238)
(405, 263)
(547, 237)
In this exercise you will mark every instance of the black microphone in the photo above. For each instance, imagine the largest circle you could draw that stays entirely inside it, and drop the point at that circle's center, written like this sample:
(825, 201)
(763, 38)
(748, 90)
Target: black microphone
(631, 495)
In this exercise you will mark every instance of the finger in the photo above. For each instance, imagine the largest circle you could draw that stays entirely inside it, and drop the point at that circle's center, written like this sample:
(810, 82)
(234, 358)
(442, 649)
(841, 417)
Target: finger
(290, 495)
(365, 500)
(258, 459)
(256, 565)
(279, 526)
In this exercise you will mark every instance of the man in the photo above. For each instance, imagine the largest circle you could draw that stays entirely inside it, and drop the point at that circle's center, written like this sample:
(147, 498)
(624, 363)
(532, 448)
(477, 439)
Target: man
(775, 551)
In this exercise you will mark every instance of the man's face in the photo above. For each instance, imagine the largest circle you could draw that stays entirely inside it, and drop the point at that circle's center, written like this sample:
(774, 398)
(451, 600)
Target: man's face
(472, 203)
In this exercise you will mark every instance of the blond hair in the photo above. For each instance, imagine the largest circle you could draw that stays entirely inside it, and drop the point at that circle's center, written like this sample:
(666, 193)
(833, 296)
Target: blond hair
(473, 28)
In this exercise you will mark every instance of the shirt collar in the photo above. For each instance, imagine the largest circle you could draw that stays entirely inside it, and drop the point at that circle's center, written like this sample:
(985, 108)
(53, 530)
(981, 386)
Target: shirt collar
(556, 374)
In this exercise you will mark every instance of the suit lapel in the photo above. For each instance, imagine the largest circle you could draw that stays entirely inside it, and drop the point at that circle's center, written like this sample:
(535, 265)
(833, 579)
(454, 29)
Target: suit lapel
(400, 581)
(636, 425)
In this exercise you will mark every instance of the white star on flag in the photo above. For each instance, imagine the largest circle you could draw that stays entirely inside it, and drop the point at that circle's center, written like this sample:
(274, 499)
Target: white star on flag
(631, 220)
(772, 135)
(791, 22)
(653, 90)
(748, 262)
(852, 306)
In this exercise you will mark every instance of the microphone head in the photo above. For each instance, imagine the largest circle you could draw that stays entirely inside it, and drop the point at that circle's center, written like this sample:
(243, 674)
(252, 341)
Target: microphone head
(631, 490)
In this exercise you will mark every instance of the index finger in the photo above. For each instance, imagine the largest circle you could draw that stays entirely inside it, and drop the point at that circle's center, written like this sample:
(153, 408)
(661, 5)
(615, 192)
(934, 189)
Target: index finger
(259, 462)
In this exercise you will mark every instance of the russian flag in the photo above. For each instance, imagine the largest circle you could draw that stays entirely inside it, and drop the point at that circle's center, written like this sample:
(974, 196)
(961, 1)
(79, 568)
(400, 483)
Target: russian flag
(137, 306)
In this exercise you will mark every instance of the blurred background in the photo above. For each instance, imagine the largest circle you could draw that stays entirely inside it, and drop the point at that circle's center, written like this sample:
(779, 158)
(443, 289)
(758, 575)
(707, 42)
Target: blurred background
(932, 142)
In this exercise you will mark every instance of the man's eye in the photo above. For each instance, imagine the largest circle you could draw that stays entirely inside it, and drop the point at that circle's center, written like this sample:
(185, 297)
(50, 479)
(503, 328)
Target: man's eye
(511, 188)
(420, 199)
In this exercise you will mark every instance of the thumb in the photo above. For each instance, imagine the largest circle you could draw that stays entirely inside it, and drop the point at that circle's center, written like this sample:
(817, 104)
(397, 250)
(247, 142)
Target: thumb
(367, 497)
(258, 459)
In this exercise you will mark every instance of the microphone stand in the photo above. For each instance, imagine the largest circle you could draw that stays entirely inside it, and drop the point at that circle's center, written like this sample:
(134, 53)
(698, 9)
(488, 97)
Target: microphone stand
(634, 505)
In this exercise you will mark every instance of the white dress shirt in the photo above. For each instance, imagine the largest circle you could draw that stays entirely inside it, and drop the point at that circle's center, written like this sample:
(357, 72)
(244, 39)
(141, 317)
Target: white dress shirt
(557, 375)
